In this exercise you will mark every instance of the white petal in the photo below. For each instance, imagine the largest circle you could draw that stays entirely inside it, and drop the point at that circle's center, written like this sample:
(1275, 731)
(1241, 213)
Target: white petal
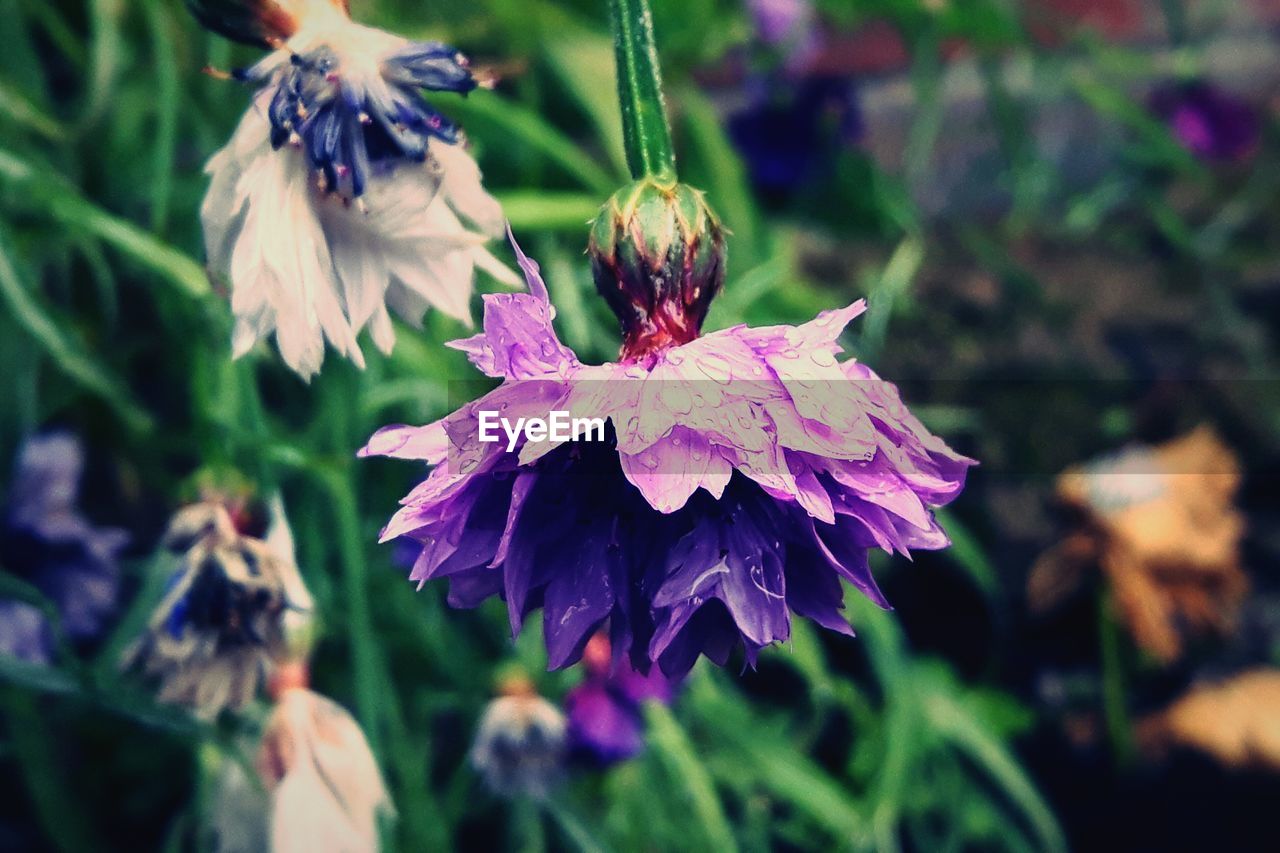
(463, 189)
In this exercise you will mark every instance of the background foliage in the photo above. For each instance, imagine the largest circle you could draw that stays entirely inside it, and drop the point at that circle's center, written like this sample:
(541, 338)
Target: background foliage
(925, 732)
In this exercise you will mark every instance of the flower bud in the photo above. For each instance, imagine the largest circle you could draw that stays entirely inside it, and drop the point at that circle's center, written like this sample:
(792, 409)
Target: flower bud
(657, 254)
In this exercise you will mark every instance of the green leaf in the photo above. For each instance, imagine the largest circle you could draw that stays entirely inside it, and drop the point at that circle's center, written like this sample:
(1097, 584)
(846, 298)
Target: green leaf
(66, 354)
(66, 205)
(531, 210)
(36, 749)
(672, 746)
(522, 126)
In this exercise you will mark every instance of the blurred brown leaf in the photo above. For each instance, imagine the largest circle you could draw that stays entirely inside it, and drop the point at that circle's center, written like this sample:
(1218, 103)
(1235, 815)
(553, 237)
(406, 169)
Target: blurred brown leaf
(1237, 721)
(1162, 526)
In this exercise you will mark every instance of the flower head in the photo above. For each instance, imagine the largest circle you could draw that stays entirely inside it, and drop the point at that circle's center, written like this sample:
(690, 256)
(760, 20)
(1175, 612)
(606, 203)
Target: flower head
(226, 616)
(343, 192)
(519, 747)
(742, 476)
(785, 132)
(606, 724)
(789, 25)
(45, 541)
(1208, 121)
(325, 787)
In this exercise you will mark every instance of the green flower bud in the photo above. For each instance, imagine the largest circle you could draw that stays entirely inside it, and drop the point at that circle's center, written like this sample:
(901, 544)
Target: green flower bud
(658, 257)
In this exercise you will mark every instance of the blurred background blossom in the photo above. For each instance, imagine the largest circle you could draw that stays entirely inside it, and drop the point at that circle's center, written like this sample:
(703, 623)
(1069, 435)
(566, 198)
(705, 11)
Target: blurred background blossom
(1063, 215)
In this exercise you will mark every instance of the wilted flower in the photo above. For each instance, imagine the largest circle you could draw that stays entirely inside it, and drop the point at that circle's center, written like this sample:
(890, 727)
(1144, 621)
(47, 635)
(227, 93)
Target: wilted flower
(519, 747)
(606, 722)
(45, 541)
(326, 790)
(741, 476)
(226, 615)
(1236, 721)
(342, 191)
(1161, 524)
(1210, 122)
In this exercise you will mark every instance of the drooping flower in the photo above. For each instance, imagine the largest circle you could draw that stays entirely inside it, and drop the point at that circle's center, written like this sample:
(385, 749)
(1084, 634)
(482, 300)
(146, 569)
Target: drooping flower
(1208, 121)
(742, 476)
(47, 542)
(227, 614)
(325, 787)
(342, 193)
(519, 747)
(604, 713)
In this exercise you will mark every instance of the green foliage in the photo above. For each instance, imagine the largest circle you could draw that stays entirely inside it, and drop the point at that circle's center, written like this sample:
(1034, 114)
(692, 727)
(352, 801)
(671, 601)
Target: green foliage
(109, 325)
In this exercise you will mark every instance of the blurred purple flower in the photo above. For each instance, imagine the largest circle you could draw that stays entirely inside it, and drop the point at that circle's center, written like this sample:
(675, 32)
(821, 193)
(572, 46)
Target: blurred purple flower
(788, 129)
(45, 541)
(780, 20)
(606, 722)
(1210, 122)
(742, 476)
(790, 26)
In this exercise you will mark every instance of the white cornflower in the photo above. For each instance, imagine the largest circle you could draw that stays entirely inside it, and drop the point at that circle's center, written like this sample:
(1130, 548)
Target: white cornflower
(326, 790)
(342, 192)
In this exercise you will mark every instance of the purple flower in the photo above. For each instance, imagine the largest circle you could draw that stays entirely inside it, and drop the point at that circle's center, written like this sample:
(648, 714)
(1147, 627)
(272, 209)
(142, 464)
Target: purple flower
(788, 132)
(605, 720)
(742, 475)
(45, 541)
(787, 24)
(1210, 122)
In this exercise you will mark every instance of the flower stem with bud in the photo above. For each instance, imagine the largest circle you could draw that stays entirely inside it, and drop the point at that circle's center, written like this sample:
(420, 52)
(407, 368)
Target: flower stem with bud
(657, 248)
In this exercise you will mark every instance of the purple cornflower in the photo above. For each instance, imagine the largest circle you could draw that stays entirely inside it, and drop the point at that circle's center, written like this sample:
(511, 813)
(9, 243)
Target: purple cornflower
(45, 541)
(788, 25)
(740, 477)
(788, 132)
(1208, 121)
(605, 720)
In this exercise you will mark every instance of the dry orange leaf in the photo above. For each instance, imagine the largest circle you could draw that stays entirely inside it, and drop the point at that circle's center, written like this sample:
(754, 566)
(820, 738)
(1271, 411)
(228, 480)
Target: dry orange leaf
(1237, 721)
(1162, 525)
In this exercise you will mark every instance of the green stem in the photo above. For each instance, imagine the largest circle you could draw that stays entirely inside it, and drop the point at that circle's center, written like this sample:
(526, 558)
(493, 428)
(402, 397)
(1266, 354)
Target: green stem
(1115, 708)
(644, 116)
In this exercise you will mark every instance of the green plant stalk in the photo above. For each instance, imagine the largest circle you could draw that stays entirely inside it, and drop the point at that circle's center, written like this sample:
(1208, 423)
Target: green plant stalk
(645, 129)
(1115, 708)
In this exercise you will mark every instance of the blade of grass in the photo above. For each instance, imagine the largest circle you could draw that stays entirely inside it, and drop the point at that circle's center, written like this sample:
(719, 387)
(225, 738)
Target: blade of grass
(67, 355)
(35, 747)
(167, 103)
(68, 207)
(523, 126)
(672, 745)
